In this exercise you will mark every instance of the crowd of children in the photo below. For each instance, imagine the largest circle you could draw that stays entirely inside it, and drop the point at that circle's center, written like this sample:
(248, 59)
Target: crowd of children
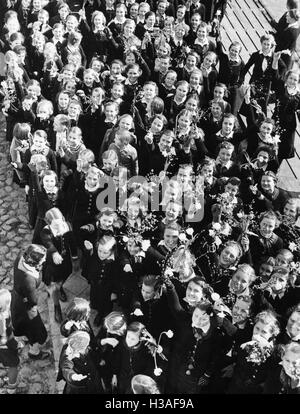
(149, 162)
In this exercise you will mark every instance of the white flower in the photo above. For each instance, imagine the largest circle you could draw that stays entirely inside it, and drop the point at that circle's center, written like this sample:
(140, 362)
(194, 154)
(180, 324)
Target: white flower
(170, 333)
(125, 239)
(215, 297)
(292, 246)
(145, 245)
(182, 237)
(169, 272)
(240, 214)
(138, 312)
(226, 229)
(212, 233)
(159, 349)
(216, 226)
(157, 372)
(190, 231)
(276, 139)
(218, 241)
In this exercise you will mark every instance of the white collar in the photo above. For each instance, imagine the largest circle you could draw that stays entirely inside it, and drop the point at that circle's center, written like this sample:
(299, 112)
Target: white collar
(219, 134)
(197, 42)
(270, 54)
(28, 269)
(292, 91)
(295, 24)
(227, 165)
(55, 233)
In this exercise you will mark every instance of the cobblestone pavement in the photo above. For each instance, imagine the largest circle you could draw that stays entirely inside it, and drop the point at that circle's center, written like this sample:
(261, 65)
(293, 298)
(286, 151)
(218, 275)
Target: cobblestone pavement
(35, 377)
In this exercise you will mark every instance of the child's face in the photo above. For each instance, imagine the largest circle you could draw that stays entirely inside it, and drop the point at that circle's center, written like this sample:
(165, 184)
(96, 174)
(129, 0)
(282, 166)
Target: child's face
(43, 113)
(129, 29)
(132, 339)
(71, 23)
(120, 14)
(130, 59)
(207, 171)
(195, 80)
(150, 21)
(267, 226)
(96, 98)
(201, 34)
(171, 238)
(265, 271)
(262, 330)
(103, 252)
(293, 325)
(49, 182)
(292, 80)
(63, 13)
(148, 292)
(98, 22)
(172, 212)
(109, 165)
(92, 180)
(164, 64)
(42, 18)
(133, 75)
(180, 14)
(161, 8)
(240, 311)
(239, 282)
(291, 364)
(200, 318)
(225, 155)
(39, 142)
(227, 126)
(37, 4)
(57, 32)
(74, 139)
(181, 92)
(115, 69)
(231, 189)
(216, 111)
(281, 260)
(170, 79)
(63, 101)
(208, 61)
(157, 125)
(70, 88)
(117, 91)
(125, 123)
(195, 21)
(132, 248)
(106, 221)
(218, 93)
(263, 158)
(184, 122)
(268, 184)
(179, 32)
(228, 256)
(234, 52)
(68, 74)
(162, 51)
(110, 112)
(290, 211)
(134, 11)
(278, 283)
(73, 111)
(165, 142)
(191, 62)
(266, 129)
(191, 105)
(149, 92)
(32, 91)
(96, 66)
(88, 79)
(266, 46)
